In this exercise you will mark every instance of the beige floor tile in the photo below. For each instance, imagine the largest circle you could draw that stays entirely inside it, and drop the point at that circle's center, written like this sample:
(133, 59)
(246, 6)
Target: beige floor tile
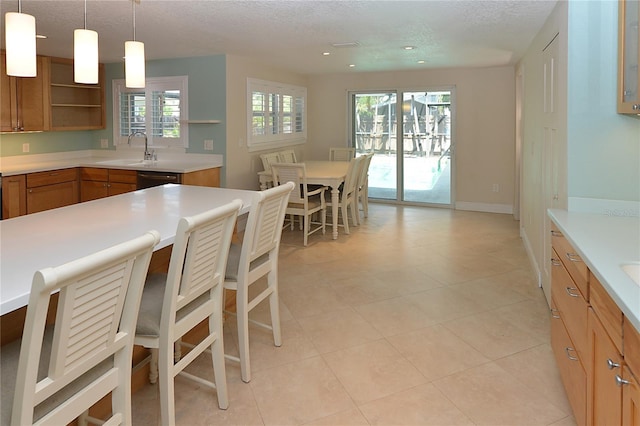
(490, 396)
(306, 301)
(492, 335)
(445, 303)
(299, 392)
(351, 417)
(487, 293)
(436, 352)
(373, 370)
(530, 315)
(422, 405)
(567, 421)
(540, 375)
(339, 329)
(394, 316)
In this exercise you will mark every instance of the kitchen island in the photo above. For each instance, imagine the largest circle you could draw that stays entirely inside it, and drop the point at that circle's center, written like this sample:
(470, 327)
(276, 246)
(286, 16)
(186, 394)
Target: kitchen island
(57, 236)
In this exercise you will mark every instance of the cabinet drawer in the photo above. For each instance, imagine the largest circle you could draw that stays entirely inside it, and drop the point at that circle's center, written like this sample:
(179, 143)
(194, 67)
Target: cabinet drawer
(49, 197)
(94, 173)
(571, 370)
(631, 347)
(51, 177)
(571, 306)
(123, 176)
(570, 259)
(608, 312)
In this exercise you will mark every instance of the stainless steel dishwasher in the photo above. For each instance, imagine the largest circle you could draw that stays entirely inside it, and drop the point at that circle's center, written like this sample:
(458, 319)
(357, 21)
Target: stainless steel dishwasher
(150, 179)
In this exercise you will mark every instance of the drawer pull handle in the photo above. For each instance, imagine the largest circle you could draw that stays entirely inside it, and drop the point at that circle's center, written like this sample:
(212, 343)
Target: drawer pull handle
(555, 262)
(612, 364)
(620, 381)
(556, 233)
(554, 314)
(569, 292)
(571, 357)
(573, 257)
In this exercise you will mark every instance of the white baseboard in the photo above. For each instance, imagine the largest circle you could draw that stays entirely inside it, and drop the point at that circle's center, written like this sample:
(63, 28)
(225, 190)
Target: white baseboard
(484, 207)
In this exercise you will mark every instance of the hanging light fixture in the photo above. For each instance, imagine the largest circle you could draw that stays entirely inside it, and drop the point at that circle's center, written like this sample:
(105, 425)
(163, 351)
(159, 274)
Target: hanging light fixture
(134, 59)
(85, 54)
(20, 36)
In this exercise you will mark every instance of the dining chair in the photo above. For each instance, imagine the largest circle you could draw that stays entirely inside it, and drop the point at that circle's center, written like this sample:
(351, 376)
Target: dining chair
(60, 371)
(188, 294)
(255, 258)
(287, 156)
(362, 188)
(303, 201)
(269, 159)
(347, 199)
(341, 154)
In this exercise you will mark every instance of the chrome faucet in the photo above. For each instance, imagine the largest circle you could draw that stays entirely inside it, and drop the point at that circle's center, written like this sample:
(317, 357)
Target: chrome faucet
(148, 155)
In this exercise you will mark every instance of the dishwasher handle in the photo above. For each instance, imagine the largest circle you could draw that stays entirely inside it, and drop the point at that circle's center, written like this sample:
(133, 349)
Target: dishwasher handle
(167, 178)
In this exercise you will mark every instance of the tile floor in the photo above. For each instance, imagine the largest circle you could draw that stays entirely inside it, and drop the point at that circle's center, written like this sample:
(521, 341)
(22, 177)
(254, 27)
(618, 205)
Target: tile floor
(419, 317)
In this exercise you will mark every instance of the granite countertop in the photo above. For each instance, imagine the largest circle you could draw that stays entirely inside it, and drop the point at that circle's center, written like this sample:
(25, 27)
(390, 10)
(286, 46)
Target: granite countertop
(176, 164)
(605, 244)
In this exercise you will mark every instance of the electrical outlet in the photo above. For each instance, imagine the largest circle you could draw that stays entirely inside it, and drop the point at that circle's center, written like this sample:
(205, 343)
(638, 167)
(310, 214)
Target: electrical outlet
(495, 187)
(208, 144)
(104, 143)
(25, 147)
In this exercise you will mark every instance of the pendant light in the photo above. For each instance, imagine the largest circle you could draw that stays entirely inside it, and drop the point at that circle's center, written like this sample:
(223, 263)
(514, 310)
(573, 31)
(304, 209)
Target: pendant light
(85, 54)
(134, 70)
(20, 36)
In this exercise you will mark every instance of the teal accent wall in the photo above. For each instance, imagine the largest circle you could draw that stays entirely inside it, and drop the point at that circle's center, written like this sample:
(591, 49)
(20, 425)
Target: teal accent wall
(603, 146)
(207, 101)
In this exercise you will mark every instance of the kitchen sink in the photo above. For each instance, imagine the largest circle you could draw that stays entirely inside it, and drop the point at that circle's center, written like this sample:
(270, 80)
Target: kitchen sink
(633, 270)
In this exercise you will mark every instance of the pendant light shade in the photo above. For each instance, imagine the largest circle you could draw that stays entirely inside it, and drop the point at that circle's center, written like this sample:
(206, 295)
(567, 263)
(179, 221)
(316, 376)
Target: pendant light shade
(134, 69)
(85, 56)
(20, 39)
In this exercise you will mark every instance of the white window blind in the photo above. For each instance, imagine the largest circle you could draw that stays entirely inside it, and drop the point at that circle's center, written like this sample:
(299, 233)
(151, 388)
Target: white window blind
(158, 110)
(276, 114)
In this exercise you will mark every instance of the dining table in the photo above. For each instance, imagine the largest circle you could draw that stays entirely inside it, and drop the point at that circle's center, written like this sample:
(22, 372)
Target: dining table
(54, 237)
(327, 173)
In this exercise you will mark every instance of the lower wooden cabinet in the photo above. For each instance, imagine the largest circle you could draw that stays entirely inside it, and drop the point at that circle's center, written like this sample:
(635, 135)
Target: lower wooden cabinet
(630, 398)
(99, 183)
(51, 189)
(604, 396)
(14, 199)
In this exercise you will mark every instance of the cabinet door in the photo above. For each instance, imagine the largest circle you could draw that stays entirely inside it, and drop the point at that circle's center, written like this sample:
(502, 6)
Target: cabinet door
(14, 201)
(604, 398)
(92, 190)
(7, 98)
(116, 188)
(628, 55)
(630, 399)
(51, 196)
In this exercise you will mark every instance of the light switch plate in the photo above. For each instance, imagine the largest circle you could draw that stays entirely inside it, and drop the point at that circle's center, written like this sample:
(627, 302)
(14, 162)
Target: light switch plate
(25, 147)
(208, 144)
(104, 143)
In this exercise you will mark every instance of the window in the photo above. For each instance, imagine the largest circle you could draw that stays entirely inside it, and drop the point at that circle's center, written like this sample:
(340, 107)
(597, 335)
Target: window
(276, 114)
(159, 110)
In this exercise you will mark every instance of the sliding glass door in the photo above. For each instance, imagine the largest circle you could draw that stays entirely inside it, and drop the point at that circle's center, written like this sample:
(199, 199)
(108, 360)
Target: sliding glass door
(413, 155)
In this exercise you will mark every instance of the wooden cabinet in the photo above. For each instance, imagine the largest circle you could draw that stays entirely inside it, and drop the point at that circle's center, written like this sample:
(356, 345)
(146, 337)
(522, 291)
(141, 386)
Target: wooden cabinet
(75, 106)
(25, 100)
(99, 183)
(604, 394)
(208, 177)
(51, 189)
(628, 55)
(596, 349)
(14, 200)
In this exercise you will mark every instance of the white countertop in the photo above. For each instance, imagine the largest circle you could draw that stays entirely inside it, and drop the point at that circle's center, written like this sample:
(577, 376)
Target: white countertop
(605, 243)
(170, 163)
(54, 237)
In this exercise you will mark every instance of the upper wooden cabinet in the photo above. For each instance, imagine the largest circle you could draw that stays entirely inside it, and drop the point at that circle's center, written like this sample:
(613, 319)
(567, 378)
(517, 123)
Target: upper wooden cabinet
(25, 100)
(628, 55)
(75, 106)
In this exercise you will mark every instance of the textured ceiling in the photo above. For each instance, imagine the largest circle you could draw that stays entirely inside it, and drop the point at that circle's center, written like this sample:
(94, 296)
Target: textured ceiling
(294, 34)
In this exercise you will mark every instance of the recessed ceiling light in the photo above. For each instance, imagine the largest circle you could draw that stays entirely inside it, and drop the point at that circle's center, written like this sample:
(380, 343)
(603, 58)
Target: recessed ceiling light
(326, 53)
(421, 61)
(352, 65)
(409, 47)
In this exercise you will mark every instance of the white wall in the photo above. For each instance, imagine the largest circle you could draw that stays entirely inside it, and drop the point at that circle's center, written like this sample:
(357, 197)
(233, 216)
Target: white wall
(242, 166)
(484, 129)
